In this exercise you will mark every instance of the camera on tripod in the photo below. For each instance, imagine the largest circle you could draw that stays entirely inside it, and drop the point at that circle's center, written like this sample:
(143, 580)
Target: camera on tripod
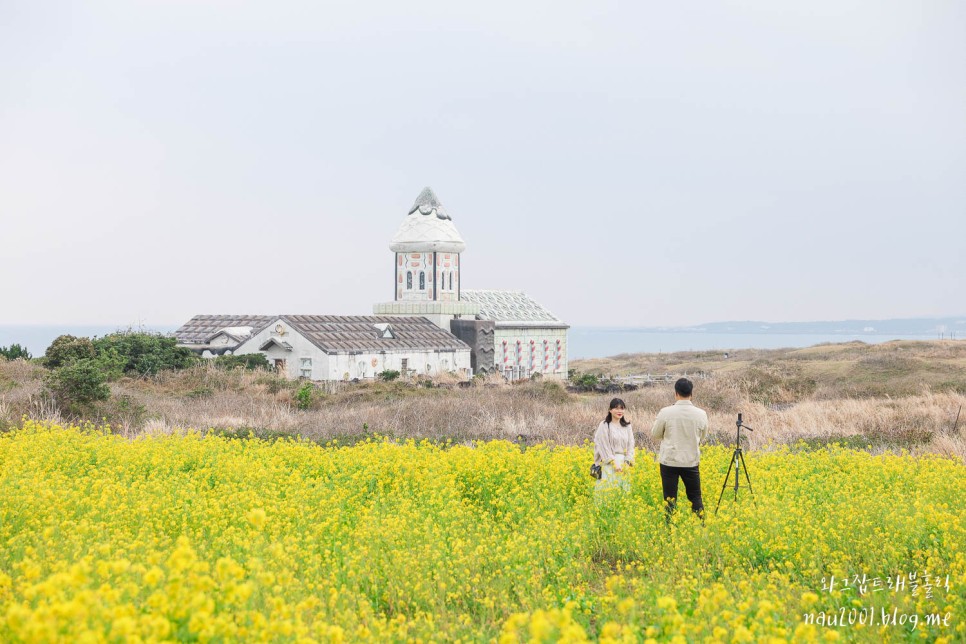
(737, 461)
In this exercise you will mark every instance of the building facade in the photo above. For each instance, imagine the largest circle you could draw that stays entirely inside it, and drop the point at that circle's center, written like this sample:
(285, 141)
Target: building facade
(522, 337)
(432, 325)
(527, 340)
(426, 265)
(335, 347)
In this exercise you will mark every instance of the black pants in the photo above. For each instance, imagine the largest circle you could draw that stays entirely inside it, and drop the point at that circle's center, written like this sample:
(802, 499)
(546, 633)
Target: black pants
(692, 486)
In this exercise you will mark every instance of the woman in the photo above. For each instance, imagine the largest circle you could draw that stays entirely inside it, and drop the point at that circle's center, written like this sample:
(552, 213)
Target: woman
(614, 447)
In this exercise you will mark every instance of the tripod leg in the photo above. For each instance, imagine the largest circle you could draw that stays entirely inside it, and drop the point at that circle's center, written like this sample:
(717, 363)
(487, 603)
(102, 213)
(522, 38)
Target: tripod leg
(725, 484)
(738, 464)
(748, 479)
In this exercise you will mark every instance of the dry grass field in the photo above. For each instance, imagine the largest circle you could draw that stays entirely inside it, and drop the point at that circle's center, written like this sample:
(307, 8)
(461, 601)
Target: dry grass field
(885, 397)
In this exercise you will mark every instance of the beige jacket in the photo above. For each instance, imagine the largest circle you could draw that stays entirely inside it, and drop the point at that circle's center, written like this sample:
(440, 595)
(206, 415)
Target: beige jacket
(680, 427)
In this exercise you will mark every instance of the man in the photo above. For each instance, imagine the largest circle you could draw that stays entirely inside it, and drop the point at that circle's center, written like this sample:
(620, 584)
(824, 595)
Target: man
(681, 427)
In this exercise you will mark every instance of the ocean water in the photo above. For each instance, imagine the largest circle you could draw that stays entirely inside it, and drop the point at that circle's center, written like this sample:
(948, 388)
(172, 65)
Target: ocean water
(585, 342)
(592, 342)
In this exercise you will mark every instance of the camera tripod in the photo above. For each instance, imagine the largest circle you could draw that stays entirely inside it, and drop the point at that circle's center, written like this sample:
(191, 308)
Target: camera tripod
(737, 462)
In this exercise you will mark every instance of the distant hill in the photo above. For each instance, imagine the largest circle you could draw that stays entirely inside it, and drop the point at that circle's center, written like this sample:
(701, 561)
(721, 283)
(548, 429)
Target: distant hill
(911, 326)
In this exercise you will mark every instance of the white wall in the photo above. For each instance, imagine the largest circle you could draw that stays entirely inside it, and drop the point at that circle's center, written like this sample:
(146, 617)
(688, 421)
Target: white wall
(301, 348)
(524, 335)
(422, 362)
(429, 263)
(335, 367)
(414, 264)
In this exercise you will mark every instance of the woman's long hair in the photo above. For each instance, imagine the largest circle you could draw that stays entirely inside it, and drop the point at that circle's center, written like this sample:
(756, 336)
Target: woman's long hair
(616, 403)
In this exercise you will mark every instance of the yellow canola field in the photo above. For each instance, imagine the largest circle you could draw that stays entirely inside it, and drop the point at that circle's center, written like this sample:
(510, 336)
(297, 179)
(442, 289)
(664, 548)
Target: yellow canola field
(203, 538)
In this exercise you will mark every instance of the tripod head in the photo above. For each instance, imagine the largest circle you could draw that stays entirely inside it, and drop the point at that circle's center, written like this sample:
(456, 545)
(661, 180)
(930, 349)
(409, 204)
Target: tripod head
(741, 424)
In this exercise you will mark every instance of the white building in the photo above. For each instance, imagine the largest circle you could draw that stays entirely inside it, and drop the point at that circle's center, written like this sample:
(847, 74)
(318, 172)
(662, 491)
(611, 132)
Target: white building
(522, 337)
(528, 339)
(426, 265)
(332, 347)
(432, 325)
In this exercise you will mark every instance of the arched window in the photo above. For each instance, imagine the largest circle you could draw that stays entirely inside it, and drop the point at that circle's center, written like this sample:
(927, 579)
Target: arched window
(451, 280)
(422, 280)
(409, 280)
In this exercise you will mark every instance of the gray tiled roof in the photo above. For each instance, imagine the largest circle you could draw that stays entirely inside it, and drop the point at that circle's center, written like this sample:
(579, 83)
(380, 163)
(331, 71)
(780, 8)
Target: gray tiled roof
(201, 328)
(333, 333)
(347, 333)
(511, 307)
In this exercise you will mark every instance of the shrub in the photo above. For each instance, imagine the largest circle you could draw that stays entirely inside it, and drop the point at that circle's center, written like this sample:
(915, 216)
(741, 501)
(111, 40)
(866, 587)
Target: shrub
(585, 382)
(65, 349)
(771, 384)
(77, 385)
(389, 375)
(275, 383)
(305, 396)
(123, 412)
(249, 361)
(14, 352)
(549, 391)
(141, 354)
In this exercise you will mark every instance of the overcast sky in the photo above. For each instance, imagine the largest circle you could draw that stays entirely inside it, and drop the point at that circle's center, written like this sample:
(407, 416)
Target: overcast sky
(624, 163)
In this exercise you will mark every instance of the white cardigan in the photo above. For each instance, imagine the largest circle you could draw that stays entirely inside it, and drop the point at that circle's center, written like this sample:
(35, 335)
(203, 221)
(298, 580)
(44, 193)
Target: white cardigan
(611, 439)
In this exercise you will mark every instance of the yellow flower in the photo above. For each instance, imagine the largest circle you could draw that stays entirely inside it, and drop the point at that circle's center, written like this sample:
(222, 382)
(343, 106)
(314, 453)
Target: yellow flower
(667, 603)
(257, 518)
(154, 576)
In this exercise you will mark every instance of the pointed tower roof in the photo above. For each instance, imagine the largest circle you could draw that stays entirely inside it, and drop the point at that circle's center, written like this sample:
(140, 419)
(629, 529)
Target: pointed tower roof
(427, 227)
(427, 203)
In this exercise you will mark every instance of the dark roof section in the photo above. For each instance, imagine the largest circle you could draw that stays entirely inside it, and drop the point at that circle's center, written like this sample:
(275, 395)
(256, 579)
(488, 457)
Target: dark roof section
(281, 344)
(202, 328)
(359, 333)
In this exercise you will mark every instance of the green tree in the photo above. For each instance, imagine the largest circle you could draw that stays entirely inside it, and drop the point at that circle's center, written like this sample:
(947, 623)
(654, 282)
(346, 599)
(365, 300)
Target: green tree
(15, 351)
(141, 354)
(77, 385)
(66, 349)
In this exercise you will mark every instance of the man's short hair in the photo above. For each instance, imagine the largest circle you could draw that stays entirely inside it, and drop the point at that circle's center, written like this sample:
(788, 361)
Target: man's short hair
(684, 387)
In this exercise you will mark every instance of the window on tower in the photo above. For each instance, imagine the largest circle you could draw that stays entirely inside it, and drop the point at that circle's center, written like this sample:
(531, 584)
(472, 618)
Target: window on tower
(422, 280)
(409, 280)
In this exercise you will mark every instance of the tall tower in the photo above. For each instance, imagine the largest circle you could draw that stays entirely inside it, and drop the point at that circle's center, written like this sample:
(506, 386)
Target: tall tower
(426, 276)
